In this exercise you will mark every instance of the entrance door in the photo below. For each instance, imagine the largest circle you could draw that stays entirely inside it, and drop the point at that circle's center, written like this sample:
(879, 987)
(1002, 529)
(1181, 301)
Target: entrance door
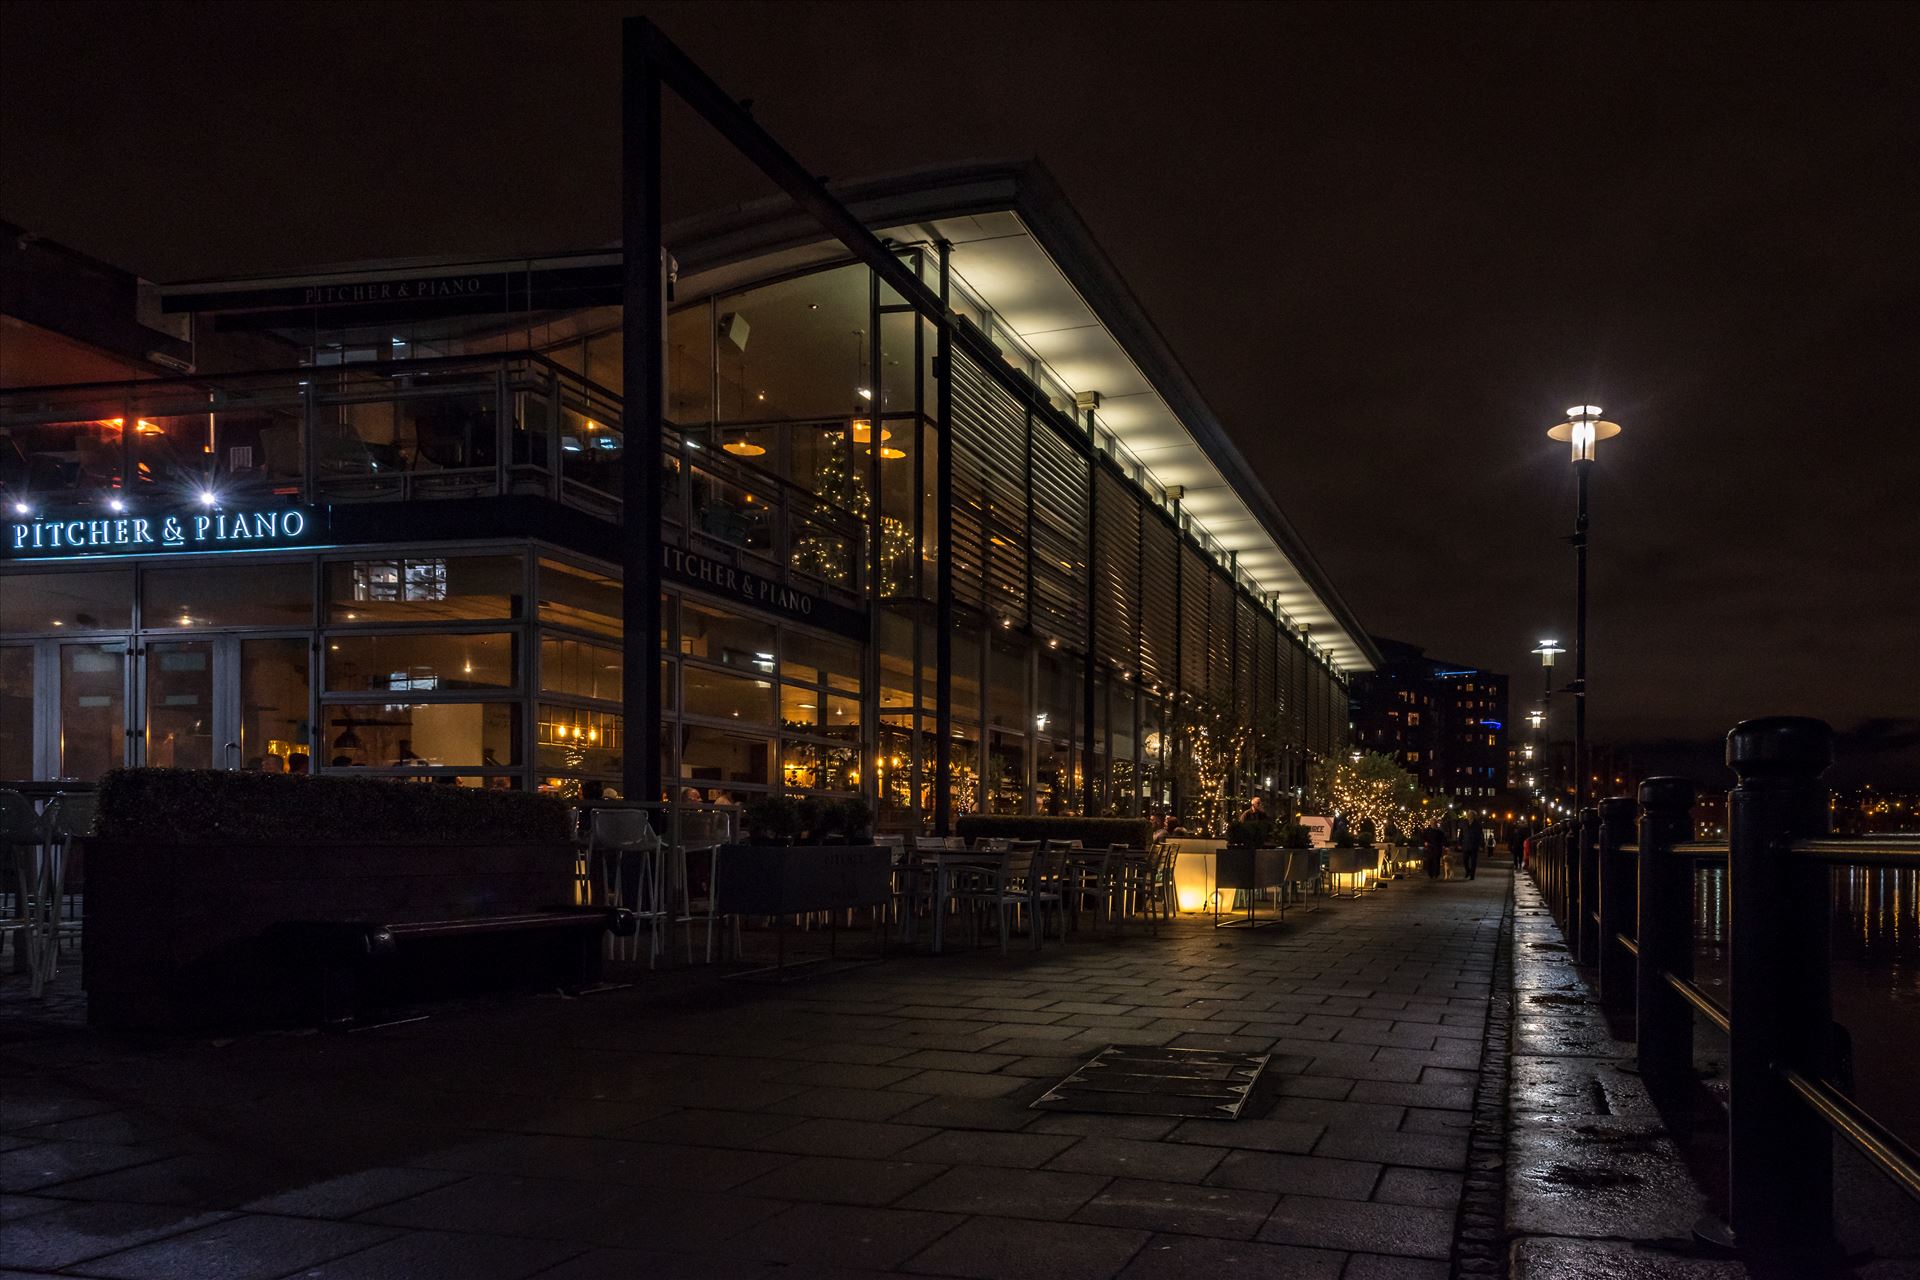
(178, 728)
(93, 732)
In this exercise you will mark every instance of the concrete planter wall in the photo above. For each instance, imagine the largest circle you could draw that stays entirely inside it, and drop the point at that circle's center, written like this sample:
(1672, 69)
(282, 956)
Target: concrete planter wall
(172, 930)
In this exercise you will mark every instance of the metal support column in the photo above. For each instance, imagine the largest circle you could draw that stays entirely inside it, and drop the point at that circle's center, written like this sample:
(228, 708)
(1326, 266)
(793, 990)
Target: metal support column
(643, 330)
(943, 592)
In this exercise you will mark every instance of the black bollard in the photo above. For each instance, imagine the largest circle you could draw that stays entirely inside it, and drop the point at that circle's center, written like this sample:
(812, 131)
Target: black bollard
(1617, 910)
(1780, 1152)
(1663, 927)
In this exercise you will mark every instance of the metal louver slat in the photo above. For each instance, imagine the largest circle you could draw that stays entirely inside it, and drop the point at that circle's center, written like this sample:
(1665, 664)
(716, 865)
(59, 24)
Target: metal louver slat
(990, 429)
(1059, 476)
(1195, 597)
(1159, 554)
(1117, 573)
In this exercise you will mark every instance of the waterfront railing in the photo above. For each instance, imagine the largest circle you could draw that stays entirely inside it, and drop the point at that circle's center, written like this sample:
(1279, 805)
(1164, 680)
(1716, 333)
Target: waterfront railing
(1619, 881)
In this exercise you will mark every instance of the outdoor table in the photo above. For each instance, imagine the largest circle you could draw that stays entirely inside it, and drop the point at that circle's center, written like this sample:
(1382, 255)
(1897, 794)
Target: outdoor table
(947, 861)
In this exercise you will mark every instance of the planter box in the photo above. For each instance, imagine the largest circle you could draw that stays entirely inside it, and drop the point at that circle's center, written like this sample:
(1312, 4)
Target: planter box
(171, 932)
(765, 880)
(1252, 868)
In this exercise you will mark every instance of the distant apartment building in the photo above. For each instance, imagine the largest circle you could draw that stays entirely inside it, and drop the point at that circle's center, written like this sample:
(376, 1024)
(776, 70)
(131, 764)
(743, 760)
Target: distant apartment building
(1444, 722)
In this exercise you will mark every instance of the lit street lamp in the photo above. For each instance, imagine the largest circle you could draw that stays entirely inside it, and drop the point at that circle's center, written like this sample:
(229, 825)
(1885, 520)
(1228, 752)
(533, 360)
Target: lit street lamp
(1583, 429)
(1547, 649)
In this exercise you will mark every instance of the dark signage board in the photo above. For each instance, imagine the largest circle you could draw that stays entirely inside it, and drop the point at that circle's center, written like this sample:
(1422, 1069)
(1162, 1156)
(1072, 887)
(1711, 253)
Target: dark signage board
(756, 591)
(341, 302)
(136, 532)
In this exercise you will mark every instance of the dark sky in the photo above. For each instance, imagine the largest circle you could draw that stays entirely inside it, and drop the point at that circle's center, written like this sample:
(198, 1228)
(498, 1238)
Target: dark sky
(1391, 244)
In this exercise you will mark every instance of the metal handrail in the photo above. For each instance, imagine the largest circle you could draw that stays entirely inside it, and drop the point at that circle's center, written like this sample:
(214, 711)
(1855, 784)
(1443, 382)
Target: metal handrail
(1776, 858)
(1880, 1145)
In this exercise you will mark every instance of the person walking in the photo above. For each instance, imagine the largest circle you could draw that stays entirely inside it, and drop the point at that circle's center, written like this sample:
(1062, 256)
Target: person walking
(1472, 840)
(1433, 843)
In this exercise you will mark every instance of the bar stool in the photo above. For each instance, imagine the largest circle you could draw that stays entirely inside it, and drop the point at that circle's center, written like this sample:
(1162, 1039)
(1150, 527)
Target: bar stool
(630, 853)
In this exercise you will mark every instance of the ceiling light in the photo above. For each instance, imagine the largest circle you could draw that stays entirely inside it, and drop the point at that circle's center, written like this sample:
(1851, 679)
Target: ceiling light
(744, 448)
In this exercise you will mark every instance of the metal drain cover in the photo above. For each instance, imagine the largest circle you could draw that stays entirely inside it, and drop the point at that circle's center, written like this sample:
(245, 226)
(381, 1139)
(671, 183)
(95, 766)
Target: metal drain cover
(1126, 1080)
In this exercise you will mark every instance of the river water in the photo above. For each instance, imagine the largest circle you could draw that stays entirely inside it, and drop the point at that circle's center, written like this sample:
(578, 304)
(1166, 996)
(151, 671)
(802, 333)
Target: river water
(1874, 936)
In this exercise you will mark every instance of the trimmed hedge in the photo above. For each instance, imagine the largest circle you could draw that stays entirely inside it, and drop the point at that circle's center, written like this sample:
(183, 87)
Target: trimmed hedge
(196, 805)
(1094, 833)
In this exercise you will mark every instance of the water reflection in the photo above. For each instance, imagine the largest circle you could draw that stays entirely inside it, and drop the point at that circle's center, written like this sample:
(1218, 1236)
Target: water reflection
(1874, 937)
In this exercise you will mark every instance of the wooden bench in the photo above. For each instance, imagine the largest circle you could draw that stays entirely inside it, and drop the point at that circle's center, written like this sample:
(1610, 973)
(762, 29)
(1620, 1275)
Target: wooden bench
(343, 966)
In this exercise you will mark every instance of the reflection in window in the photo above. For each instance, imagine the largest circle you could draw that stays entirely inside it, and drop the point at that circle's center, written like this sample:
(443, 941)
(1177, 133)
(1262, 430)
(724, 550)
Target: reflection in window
(720, 696)
(716, 757)
(817, 659)
(727, 638)
(419, 590)
(266, 595)
(16, 711)
(579, 669)
(56, 602)
(580, 598)
(390, 736)
(93, 709)
(420, 663)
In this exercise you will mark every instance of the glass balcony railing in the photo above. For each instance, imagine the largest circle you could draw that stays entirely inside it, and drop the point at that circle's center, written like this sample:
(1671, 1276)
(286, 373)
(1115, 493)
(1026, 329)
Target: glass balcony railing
(401, 430)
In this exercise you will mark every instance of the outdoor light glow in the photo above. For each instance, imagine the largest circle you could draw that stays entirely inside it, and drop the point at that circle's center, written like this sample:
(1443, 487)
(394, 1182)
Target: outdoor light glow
(1583, 429)
(116, 504)
(21, 509)
(207, 498)
(1546, 651)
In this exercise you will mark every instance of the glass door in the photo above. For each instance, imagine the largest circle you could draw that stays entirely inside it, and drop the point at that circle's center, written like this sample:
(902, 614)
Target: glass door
(273, 705)
(93, 732)
(178, 732)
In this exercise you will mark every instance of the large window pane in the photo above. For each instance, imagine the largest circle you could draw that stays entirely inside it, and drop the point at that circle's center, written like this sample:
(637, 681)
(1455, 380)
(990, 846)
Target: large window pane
(725, 697)
(714, 756)
(419, 663)
(424, 589)
(727, 638)
(794, 348)
(388, 736)
(728, 513)
(101, 601)
(578, 740)
(16, 711)
(580, 598)
(274, 730)
(264, 595)
(93, 709)
(810, 766)
(579, 669)
(815, 659)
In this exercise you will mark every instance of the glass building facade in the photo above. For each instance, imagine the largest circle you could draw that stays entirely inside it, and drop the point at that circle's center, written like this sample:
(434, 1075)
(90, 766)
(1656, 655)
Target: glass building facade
(452, 606)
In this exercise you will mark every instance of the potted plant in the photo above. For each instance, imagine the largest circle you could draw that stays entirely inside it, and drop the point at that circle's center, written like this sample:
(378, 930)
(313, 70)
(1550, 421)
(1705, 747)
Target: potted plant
(771, 820)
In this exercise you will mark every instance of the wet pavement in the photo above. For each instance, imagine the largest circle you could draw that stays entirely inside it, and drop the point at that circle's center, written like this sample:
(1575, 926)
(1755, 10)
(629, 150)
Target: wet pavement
(873, 1122)
(1604, 1185)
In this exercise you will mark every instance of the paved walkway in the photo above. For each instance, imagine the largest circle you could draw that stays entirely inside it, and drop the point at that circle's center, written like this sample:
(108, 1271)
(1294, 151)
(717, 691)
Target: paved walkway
(874, 1122)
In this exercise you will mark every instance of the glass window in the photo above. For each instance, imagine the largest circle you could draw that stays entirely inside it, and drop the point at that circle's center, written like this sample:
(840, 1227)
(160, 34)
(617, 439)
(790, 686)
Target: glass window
(580, 598)
(1006, 772)
(810, 766)
(795, 348)
(420, 663)
(1007, 690)
(816, 659)
(424, 589)
(93, 709)
(690, 338)
(814, 712)
(725, 697)
(101, 601)
(179, 728)
(260, 595)
(273, 705)
(16, 711)
(727, 638)
(716, 756)
(579, 669)
(389, 736)
(578, 740)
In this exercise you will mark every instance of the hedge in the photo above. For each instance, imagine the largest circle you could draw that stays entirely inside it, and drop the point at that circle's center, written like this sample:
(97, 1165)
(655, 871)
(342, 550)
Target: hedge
(1094, 833)
(193, 805)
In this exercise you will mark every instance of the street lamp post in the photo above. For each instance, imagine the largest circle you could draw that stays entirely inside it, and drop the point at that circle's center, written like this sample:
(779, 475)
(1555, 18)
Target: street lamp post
(1547, 649)
(1583, 430)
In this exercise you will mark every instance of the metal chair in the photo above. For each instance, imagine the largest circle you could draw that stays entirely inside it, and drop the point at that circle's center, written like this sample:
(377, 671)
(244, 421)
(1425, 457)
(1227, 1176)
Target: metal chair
(24, 835)
(68, 818)
(630, 855)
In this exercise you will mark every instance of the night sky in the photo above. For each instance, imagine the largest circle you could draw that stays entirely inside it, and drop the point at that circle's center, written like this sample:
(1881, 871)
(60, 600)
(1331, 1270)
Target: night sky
(1391, 245)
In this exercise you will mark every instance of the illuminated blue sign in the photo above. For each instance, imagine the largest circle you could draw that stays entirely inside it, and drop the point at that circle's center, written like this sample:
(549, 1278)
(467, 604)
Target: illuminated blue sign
(146, 533)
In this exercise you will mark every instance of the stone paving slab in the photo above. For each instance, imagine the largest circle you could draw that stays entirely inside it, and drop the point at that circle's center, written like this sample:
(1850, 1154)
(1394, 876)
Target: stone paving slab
(876, 1122)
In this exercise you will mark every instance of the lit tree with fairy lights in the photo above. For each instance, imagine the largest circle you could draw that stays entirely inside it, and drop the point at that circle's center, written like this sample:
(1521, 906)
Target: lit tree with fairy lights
(1372, 789)
(826, 555)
